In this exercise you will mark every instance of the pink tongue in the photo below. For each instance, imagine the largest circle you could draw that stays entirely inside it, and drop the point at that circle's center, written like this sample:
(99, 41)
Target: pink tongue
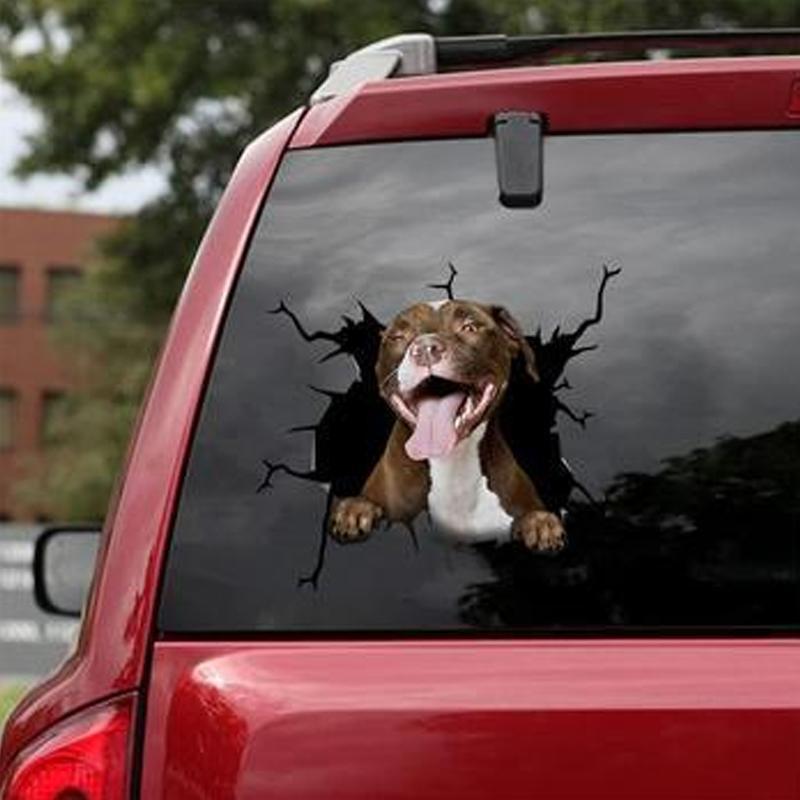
(435, 433)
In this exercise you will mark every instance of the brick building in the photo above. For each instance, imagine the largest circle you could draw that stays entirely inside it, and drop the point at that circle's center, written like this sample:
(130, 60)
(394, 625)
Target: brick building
(42, 254)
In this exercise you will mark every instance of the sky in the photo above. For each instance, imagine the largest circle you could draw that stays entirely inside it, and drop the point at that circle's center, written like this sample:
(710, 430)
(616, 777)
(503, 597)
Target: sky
(18, 120)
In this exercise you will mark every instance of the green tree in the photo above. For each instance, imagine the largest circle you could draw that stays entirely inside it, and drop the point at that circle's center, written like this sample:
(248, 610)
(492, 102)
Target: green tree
(185, 84)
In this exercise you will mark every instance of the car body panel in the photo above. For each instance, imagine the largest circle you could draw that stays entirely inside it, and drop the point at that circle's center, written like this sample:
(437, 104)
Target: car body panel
(110, 655)
(639, 718)
(701, 94)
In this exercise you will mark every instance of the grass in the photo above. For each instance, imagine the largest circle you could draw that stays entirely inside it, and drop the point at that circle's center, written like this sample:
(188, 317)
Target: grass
(10, 693)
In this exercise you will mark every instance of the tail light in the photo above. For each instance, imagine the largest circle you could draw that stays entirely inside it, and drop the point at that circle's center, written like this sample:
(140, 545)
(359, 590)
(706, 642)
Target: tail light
(84, 758)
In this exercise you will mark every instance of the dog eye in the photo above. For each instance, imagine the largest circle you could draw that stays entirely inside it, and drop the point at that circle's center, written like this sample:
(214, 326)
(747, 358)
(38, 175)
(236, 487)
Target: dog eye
(395, 337)
(470, 326)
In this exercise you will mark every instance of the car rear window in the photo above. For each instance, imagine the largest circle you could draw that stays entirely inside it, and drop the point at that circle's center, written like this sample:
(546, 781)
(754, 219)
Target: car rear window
(649, 314)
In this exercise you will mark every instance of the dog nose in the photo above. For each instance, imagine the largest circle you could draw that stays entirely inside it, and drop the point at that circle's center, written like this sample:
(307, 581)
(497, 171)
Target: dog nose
(427, 350)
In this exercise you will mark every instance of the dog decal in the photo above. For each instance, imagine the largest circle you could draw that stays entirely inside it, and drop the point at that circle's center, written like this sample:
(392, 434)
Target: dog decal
(453, 414)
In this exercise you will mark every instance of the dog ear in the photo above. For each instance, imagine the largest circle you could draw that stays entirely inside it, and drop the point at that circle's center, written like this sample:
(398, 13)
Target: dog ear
(513, 330)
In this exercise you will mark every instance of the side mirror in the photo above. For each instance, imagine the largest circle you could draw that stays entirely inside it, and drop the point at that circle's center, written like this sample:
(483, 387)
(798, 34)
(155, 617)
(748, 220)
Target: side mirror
(63, 566)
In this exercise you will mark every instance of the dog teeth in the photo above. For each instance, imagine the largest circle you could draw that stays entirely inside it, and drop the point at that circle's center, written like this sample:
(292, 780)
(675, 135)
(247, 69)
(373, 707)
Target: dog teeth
(465, 414)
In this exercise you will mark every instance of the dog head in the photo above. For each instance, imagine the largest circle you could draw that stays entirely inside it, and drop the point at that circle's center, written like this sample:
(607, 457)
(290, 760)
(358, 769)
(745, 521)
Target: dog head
(443, 368)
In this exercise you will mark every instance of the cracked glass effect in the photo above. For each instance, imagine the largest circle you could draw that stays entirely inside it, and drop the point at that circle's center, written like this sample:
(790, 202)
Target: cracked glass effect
(352, 433)
(681, 428)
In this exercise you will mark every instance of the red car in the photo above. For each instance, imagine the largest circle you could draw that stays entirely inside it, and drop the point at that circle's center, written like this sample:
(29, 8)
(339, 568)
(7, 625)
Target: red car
(470, 464)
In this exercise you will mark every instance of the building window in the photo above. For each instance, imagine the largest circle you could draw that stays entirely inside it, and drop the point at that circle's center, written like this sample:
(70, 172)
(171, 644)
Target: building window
(61, 282)
(8, 415)
(9, 293)
(52, 414)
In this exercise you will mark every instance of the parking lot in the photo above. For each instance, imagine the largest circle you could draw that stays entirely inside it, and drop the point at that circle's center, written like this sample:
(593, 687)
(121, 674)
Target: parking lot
(31, 642)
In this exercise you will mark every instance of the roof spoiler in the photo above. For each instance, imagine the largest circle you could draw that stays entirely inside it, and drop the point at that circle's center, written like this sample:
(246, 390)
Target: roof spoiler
(423, 54)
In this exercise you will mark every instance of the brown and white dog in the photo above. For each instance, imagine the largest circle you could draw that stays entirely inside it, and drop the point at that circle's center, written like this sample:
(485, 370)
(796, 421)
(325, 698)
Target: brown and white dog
(443, 368)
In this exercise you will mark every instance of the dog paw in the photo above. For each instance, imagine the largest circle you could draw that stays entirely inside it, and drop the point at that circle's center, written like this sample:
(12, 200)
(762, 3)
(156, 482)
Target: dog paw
(540, 530)
(354, 518)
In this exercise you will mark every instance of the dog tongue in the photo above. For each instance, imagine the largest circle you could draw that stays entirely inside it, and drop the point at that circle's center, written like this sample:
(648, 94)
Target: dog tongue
(435, 432)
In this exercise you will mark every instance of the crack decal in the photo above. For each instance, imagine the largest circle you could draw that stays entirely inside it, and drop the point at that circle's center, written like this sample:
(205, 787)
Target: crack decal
(453, 414)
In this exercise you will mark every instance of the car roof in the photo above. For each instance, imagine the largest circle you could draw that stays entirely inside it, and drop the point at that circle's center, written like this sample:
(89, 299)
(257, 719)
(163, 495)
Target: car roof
(423, 54)
(731, 93)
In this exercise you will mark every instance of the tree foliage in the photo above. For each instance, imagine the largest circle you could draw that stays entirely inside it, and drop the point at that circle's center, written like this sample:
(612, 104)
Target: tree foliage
(185, 84)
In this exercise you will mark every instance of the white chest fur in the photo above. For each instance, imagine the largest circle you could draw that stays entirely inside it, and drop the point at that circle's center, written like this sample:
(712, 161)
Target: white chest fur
(460, 500)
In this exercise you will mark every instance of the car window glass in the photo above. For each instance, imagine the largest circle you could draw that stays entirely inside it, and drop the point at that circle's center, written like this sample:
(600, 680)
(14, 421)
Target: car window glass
(672, 260)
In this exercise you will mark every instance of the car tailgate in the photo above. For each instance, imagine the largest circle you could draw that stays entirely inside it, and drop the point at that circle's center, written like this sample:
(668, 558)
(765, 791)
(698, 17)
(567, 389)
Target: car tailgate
(473, 718)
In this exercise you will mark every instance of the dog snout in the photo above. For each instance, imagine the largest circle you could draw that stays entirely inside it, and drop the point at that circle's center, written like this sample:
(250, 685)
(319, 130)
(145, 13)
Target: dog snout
(427, 350)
